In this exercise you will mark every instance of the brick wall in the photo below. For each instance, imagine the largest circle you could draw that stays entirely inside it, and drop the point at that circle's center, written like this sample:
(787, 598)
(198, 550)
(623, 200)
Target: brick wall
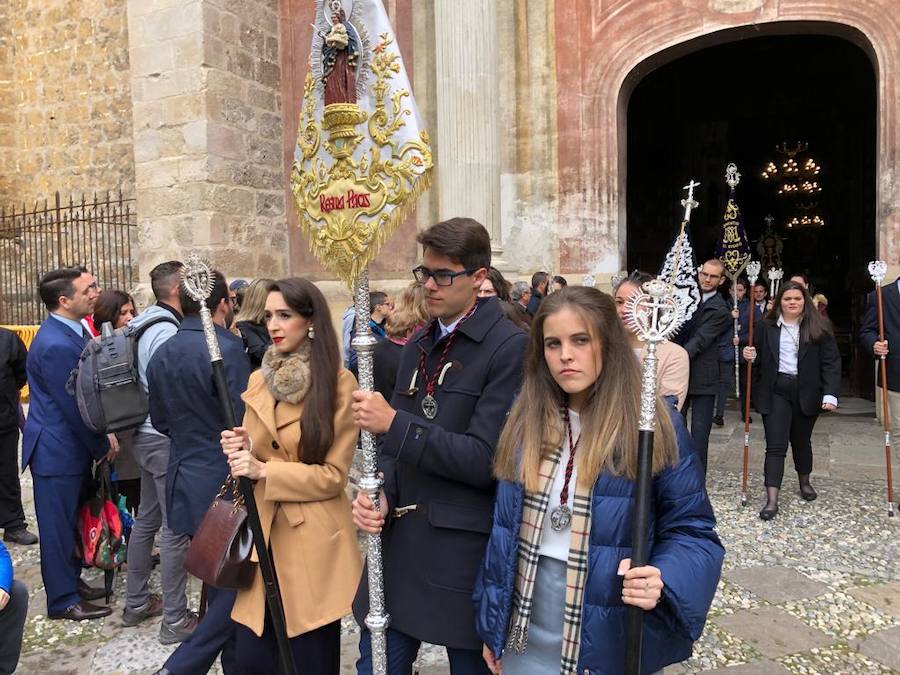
(65, 98)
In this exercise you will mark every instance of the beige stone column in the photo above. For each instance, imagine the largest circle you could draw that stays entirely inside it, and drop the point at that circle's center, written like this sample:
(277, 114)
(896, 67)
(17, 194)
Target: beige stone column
(468, 159)
(206, 88)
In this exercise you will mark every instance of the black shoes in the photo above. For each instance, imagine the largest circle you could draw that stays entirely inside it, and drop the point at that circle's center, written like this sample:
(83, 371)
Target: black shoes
(21, 536)
(719, 421)
(768, 512)
(807, 492)
(83, 611)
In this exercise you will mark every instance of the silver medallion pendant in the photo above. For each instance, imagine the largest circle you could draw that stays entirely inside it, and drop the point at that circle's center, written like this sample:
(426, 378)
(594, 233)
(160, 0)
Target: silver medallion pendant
(560, 517)
(429, 406)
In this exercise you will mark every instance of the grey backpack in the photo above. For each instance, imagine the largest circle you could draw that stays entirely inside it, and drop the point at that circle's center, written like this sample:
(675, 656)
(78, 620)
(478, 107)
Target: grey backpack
(106, 383)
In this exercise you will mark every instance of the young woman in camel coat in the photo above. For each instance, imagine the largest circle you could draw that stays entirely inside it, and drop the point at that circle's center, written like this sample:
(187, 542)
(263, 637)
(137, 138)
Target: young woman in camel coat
(300, 433)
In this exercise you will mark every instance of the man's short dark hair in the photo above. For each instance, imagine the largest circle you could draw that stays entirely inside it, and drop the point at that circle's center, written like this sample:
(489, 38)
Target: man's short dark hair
(561, 281)
(538, 278)
(220, 291)
(58, 283)
(376, 298)
(463, 240)
(165, 277)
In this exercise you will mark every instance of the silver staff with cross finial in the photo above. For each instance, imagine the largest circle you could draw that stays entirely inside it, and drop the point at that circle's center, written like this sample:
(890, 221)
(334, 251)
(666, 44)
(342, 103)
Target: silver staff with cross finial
(753, 268)
(877, 270)
(198, 280)
(654, 315)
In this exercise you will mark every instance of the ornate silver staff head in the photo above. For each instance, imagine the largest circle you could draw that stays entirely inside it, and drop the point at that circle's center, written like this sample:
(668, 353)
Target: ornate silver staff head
(653, 314)
(588, 280)
(877, 270)
(732, 177)
(775, 274)
(689, 202)
(753, 268)
(197, 278)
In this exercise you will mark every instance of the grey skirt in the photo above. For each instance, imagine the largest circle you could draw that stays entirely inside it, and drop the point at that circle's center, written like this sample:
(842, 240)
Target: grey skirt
(544, 649)
(543, 652)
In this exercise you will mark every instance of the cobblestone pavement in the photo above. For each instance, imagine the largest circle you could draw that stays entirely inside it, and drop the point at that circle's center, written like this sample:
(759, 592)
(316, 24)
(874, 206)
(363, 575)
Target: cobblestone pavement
(817, 590)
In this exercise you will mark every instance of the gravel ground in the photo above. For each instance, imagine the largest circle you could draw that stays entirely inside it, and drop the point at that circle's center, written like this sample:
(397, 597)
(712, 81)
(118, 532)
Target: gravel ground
(842, 544)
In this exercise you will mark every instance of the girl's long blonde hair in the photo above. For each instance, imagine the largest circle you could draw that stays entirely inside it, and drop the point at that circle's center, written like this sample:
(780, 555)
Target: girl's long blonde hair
(611, 412)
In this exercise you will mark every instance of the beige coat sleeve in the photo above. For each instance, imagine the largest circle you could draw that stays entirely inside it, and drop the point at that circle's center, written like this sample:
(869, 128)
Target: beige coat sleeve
(299, 482)
(673, 372)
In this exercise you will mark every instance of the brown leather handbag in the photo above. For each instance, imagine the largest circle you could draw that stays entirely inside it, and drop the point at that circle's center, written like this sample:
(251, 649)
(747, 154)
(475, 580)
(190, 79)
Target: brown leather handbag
(219, 554)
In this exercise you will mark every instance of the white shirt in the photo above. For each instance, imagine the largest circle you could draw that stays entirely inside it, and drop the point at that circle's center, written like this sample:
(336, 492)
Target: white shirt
(556, 544)
(706, 296)
(788, 346)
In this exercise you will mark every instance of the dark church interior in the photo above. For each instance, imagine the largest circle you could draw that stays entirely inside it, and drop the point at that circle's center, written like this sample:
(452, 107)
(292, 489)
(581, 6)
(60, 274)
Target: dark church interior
(736, 103)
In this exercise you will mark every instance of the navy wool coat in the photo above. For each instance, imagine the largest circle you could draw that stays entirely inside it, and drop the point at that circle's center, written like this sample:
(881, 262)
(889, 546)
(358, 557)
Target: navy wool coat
(185, 407)
(868, 333)
(700, 338)
(444, 467)
(683, 545)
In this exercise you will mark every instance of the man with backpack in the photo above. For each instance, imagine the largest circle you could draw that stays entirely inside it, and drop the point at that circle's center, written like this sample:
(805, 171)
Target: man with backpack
(153, 328)
(57, 444)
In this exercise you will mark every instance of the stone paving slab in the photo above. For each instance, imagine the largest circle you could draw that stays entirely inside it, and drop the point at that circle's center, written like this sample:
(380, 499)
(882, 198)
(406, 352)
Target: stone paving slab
(885, 597)
(883, 647)
(773, 632)
(775, 583)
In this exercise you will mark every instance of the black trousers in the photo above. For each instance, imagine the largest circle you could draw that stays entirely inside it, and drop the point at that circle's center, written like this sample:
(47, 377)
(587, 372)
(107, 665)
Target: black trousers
(317, 652)
(785, 424)
(12, 517)
(701, 407)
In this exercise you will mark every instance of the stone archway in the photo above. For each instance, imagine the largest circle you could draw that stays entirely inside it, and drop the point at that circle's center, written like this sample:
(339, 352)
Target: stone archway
(629, 42)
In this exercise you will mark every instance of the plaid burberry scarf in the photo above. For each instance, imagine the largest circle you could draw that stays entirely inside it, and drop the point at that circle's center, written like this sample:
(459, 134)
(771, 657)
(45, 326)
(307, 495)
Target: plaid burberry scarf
(533, 512)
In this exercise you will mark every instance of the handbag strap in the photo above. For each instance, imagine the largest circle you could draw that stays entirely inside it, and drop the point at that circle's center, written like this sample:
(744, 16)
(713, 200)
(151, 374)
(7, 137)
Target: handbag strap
(237, 499)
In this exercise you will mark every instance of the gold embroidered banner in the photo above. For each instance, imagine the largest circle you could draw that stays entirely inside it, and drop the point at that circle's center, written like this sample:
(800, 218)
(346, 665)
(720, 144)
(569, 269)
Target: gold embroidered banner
(362, 157)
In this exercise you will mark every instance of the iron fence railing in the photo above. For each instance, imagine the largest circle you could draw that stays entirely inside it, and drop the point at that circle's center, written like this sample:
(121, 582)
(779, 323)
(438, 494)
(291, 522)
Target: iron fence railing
(96, 233)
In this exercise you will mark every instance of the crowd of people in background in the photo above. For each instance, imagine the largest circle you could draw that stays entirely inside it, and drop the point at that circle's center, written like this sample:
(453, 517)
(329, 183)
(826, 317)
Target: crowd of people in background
(477, 379)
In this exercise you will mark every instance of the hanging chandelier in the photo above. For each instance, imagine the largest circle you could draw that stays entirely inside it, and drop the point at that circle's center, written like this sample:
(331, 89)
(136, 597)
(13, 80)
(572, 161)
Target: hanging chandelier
(794, 177)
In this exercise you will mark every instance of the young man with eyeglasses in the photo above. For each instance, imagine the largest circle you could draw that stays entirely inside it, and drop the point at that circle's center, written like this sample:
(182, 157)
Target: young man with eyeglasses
(700, 338)
(456, 381)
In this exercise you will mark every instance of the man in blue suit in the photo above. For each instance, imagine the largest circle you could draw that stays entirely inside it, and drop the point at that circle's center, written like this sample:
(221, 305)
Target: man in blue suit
(57, 445)
(185, 406)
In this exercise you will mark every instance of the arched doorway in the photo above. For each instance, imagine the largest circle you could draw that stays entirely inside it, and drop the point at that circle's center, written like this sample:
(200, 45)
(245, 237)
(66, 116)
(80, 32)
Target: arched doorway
(735, 102)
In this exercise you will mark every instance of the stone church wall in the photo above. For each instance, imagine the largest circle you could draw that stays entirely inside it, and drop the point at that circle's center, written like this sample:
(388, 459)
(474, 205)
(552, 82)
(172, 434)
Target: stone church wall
(65, 98)
(207, 129)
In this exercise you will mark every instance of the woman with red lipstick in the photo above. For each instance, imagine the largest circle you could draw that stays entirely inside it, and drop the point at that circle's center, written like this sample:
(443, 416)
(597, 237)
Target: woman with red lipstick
(556, 578)
(297, 442)
(797, 377)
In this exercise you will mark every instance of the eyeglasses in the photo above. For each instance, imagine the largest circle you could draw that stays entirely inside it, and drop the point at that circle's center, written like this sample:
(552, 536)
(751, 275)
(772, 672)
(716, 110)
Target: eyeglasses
(441, 277)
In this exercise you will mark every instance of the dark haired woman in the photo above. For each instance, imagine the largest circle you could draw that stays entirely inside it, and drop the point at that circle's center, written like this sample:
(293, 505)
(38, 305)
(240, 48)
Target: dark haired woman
(117, 308)
(297, 443)
(555, 581)
(796, 377)
(494, 284)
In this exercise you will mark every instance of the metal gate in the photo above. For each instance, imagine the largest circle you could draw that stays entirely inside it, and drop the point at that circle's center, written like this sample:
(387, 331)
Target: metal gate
(96, 233)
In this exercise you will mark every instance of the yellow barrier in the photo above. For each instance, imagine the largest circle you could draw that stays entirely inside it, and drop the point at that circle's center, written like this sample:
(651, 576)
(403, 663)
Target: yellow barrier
(26, 334)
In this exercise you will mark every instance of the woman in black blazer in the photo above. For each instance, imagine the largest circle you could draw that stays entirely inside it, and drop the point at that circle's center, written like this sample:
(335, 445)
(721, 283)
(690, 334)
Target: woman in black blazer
(796, 377)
